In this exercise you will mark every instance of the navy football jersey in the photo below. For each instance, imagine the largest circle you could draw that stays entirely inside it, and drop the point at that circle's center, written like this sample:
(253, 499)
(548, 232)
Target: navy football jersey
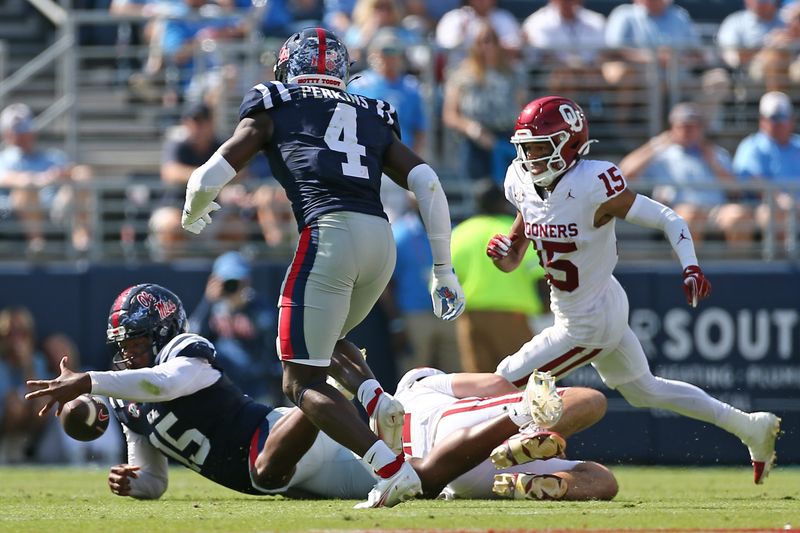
(208, 431)
(327, 146)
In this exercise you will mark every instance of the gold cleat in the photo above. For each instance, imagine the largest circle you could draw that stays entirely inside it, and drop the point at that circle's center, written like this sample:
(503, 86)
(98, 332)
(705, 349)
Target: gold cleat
(526, 447)
(529, 486)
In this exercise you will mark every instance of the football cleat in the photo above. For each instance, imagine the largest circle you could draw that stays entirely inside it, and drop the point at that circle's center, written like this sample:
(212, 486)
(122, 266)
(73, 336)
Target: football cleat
(386, 421)
(762, 446)
(542, 399)
(529, 486)
(403, 485)
(526, 447)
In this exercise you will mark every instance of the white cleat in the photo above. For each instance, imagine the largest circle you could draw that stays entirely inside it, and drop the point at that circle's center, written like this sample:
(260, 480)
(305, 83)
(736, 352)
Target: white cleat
(543, 400)
(387, 421)
(526, 447)
(403, 485)
(762, 445)
(529, 486)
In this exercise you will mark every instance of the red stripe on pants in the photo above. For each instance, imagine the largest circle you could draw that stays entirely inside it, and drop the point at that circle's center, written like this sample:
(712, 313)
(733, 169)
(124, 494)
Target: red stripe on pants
(286, 298)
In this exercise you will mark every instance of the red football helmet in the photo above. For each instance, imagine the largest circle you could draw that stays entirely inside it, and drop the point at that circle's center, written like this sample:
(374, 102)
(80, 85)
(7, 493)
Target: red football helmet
(561, 125)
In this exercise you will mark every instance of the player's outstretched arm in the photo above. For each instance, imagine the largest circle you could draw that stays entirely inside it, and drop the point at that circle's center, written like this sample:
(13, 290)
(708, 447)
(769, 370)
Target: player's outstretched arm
(408, 170)
(508, 251)
(643, 211)
(207, 181)
(60, 390)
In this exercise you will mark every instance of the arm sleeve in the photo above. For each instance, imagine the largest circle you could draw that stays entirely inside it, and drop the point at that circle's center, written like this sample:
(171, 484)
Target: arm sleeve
(433, 208)
(439, 383)
(175, 378)
(651, 214)
(154, 473)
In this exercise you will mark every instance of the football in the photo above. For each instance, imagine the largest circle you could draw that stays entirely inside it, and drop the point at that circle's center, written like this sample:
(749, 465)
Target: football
(84, 418)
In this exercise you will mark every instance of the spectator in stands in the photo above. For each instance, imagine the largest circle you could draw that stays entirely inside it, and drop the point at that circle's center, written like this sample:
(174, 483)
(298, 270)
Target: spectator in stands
(19, 361)
(496, 320)
(243, 328)
(385, 80)
(166, 239)
(566, 38)
(37, 183)
(187, 147)
(481, 100)
(281, 18)
(183, 38)
(275, 218)
(772, 155)
(431, 11)
(369, 16)
(742, 34)
(460, 28)
(643, 31)
(681, 161)
(337, 15)
(418, 337)
(778, 60)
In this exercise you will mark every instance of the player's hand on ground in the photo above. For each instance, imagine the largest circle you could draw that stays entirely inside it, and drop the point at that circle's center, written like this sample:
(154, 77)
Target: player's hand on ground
(119, 478)
(695, 285)
(447, 294)
(498, 246)
(197, 222)
(67, 386)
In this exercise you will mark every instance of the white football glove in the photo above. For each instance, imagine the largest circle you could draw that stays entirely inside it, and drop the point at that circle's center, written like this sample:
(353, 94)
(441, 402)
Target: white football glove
(197, 223)
(446, 293)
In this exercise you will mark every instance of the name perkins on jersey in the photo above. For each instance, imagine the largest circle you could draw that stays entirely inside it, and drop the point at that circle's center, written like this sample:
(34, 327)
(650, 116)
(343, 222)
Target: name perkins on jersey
(551, 231)
(312, 91)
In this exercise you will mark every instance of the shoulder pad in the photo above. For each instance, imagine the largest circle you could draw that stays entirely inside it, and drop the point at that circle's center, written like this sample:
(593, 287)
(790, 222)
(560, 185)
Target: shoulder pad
(264, 96)
(188, 345)
(389, 114)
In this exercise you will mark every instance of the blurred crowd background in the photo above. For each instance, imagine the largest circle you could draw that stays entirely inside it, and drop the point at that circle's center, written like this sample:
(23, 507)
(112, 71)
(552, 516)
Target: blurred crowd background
(108, 106)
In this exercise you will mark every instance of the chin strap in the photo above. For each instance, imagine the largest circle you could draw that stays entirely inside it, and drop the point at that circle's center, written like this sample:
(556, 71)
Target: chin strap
(584, 149)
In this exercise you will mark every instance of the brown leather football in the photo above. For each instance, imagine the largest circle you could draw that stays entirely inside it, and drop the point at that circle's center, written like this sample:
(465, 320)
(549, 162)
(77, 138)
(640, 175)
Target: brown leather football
(84, 418)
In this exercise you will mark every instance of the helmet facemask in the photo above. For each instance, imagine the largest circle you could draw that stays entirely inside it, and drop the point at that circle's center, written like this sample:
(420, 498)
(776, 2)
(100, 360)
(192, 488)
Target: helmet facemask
(544, 170)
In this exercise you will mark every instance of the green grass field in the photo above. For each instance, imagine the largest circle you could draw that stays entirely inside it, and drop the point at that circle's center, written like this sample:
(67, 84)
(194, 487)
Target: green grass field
(77, 500)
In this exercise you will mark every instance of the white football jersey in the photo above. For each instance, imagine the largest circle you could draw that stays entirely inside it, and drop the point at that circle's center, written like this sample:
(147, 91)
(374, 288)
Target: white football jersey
(579, 259)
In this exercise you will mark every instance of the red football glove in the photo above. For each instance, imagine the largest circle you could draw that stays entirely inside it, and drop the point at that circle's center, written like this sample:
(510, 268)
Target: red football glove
(498, 246)
(695, 285)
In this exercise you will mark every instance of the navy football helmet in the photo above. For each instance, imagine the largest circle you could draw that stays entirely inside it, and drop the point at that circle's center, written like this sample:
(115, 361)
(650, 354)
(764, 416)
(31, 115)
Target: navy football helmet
(145, 310)
(314, 56)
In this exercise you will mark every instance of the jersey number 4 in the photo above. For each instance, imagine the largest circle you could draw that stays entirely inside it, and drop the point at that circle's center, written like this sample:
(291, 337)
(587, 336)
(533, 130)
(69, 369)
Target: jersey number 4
(341, 136)
(570, 270)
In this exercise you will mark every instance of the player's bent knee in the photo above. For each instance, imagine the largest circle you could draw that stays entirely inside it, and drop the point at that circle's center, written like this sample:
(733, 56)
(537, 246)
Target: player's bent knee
(271, 478)
(604, 484)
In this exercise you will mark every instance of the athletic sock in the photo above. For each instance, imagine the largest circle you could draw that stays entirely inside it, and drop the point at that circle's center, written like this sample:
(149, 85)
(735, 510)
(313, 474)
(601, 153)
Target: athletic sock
(383, 460)
(519, 413)
(733, 420)
(368, 394)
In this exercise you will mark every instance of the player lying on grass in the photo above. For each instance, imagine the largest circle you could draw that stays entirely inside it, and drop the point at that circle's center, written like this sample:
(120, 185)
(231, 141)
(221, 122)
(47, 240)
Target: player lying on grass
(180, 405)
(438, 406)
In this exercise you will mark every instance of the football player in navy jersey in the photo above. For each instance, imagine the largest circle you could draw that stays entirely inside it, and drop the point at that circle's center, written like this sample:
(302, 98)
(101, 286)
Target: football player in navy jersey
(175, 402)
(328, 149)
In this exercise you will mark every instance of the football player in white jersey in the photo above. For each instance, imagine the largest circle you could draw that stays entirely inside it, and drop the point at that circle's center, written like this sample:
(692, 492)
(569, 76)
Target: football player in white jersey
(440, 409)
(566, 207)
